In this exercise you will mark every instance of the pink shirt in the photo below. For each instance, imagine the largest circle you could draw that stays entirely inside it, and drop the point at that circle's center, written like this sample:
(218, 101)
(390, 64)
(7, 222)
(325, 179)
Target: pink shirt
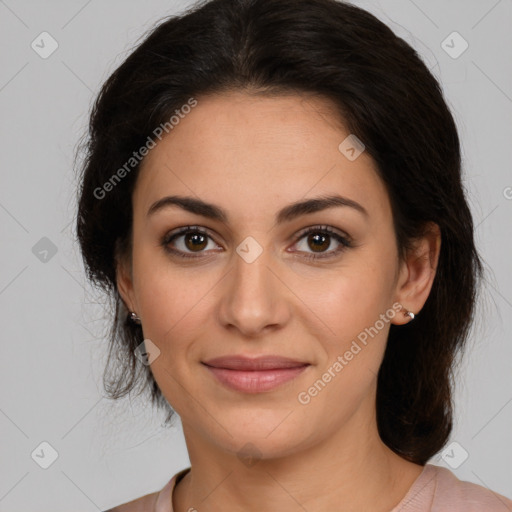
(436, 489)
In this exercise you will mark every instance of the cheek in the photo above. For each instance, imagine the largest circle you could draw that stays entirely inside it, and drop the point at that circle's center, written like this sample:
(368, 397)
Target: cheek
(353, 309)
(171, 305)
(173, 308)
(176, 305)
(356, 311)
(169, 295)
(349, 300)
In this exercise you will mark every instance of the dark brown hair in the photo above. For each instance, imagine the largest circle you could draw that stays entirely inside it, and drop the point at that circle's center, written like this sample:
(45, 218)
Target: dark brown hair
(384, 94)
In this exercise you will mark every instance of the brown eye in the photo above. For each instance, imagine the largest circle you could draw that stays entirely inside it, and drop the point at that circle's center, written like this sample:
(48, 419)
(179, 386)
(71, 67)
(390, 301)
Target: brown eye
(318, 239)
(187, 241)
(195, 241)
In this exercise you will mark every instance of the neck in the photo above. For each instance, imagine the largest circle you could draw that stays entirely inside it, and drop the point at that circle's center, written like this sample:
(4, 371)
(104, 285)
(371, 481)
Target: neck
(352, 470)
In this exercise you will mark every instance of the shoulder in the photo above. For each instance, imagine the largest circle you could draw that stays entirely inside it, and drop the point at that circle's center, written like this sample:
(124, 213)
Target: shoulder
(454, 495)
(143, 504)
(155, 502)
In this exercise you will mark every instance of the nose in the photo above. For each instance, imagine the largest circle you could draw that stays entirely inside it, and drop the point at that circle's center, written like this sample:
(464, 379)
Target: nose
(254, 297)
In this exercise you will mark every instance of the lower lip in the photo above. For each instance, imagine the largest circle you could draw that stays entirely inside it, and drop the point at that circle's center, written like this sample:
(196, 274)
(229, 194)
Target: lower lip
(255, 381)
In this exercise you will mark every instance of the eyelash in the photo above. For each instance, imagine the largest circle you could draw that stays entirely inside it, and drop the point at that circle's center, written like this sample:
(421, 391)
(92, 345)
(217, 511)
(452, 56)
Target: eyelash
(344, 241)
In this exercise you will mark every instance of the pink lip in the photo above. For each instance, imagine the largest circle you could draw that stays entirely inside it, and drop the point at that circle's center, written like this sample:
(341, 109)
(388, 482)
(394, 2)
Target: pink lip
(255, 381)
(239, 362)
(254, 375)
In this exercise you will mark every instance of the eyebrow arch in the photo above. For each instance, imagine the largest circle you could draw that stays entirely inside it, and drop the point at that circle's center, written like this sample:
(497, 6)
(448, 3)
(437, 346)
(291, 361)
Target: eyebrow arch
(287, 214)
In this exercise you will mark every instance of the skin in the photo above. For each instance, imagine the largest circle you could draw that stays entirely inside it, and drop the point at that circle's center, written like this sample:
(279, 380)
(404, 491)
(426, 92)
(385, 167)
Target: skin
(253, 156)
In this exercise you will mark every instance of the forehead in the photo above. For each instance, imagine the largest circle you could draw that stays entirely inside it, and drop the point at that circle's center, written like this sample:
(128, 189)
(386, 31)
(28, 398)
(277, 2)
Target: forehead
(254, 152)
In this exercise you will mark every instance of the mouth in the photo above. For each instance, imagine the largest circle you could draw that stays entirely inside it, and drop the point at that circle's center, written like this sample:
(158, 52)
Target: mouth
(254, 375)
(244, 363)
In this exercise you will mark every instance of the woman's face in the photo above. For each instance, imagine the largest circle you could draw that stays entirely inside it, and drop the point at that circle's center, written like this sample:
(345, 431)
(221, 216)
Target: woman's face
(248, 285)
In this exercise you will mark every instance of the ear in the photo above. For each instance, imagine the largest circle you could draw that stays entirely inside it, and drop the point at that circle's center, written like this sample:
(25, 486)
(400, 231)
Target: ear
(124, 280)
(417, 273)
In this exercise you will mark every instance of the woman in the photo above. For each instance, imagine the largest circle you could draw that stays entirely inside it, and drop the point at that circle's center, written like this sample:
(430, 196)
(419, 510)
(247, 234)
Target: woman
(272, 196)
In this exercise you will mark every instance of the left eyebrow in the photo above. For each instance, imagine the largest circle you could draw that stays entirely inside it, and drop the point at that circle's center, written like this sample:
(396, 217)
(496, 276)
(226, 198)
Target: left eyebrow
(286, 214)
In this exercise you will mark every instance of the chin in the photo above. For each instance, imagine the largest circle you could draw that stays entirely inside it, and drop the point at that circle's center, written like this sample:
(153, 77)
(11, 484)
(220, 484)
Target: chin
(268, 438)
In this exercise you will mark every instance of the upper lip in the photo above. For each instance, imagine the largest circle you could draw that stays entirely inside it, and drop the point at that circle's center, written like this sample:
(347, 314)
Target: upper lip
(239, 362)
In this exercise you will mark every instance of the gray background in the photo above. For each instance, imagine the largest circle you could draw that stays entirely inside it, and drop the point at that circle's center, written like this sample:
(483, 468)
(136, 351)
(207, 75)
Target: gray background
(53, 322)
